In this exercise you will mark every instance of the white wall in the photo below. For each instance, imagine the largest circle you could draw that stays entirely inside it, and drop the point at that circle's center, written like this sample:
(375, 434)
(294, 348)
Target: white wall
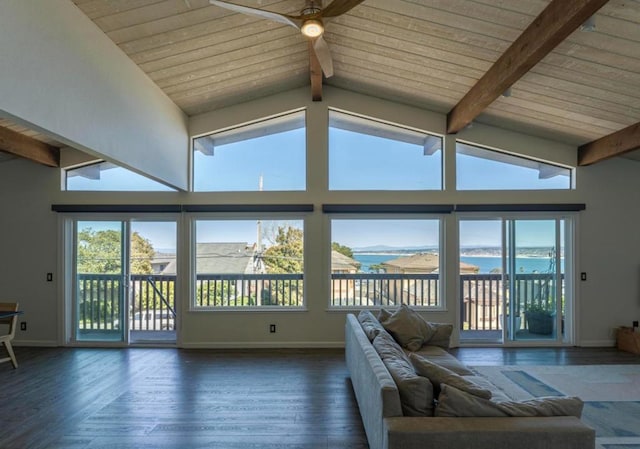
(609, 249)
(609, 246)
(29, 247)
(62, 75)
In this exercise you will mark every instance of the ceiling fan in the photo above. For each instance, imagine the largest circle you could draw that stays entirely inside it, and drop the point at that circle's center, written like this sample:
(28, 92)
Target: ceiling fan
(310, 22)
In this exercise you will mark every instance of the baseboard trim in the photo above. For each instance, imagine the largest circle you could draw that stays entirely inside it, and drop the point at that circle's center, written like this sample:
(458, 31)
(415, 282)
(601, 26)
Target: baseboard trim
(47, 343)
(598, 343)
(264, 345)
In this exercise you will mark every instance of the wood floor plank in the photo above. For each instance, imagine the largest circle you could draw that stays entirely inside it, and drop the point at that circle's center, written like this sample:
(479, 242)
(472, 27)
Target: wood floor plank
(87, 398)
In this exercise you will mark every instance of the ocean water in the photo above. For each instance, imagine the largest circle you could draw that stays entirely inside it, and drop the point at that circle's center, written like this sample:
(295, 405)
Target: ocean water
(485, 264)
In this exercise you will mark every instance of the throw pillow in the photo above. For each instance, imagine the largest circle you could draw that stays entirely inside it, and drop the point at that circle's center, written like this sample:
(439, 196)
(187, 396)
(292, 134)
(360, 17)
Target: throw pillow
(440, 375)
(383, 315)
(416, 392)
(370, 324)
(408, 328)
(453, 402)
(441, 336)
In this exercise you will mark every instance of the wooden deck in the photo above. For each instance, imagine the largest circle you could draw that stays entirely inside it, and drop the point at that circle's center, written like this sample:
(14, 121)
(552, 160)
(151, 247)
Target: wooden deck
(85, 398)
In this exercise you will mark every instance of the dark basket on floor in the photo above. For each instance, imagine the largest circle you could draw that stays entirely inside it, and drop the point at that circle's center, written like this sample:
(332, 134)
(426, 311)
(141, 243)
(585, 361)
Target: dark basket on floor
(540, 323)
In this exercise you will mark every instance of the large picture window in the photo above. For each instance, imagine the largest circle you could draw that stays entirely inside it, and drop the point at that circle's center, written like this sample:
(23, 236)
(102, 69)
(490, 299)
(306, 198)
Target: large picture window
(380, 262)
(267, 155)
(365, 154)
(249, 263)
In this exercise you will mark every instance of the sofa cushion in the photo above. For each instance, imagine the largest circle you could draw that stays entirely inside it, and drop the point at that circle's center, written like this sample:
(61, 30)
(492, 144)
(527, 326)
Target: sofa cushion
(416, 392)
(440, 375)
(370, 324)
(453, 402)
(438, 355)
(408, 328)
(497, 395)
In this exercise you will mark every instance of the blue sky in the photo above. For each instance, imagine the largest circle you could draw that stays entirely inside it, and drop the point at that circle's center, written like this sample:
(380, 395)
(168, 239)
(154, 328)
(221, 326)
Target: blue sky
(363, 162)
(396, 233)
(116, 179)
(278, 158)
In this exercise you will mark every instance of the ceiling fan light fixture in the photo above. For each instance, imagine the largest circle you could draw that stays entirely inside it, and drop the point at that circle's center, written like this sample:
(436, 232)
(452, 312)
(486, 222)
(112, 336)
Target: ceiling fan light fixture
(312, 28)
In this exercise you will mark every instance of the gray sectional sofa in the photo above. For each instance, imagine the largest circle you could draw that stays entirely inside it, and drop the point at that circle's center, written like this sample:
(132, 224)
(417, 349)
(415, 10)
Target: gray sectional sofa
(391, 417)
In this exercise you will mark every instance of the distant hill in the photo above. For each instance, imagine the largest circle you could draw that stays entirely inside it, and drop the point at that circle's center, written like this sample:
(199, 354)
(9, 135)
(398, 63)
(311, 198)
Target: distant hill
(524, 251)
(392, 249)
(485, 251)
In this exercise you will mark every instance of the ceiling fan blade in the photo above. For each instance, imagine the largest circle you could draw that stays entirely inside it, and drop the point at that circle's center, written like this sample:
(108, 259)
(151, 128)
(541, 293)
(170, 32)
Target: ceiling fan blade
(337, 7)
(277, 17)
(321, 49)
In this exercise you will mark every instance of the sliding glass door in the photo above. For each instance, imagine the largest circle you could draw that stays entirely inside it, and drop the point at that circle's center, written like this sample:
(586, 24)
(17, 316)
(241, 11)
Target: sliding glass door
(535, 269)
(125, 279)
(100, 275)
(152, 282)
(514, 287)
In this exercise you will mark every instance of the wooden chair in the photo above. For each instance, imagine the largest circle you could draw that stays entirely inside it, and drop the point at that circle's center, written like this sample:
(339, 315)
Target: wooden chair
(11, 322)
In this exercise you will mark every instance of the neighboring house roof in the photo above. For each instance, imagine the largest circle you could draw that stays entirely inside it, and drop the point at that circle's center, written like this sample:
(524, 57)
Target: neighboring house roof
(424, 263)
(221, 258)
(341, 262)
(214, 258)
(162, 258)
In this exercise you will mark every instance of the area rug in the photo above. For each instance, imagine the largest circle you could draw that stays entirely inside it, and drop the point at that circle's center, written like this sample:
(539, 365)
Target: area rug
(611, 394)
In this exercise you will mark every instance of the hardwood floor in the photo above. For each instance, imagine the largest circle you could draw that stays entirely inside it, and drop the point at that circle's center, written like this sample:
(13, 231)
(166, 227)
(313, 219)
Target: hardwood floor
(544, 356)
(75, 398)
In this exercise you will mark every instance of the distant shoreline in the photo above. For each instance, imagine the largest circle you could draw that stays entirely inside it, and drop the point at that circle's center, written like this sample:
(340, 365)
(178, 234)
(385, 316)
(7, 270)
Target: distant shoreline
(464, 254)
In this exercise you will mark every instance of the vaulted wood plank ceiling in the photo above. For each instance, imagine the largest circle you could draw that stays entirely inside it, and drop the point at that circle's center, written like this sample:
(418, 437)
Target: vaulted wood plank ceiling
(427, 53)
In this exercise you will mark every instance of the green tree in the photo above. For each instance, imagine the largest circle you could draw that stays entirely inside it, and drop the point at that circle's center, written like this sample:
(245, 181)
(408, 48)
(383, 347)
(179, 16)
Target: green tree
(286, 255)
(99, 252)
(342, 249)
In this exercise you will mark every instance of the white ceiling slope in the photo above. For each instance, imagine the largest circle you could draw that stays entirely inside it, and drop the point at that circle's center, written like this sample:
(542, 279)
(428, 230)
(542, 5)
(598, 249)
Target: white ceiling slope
(61, 76)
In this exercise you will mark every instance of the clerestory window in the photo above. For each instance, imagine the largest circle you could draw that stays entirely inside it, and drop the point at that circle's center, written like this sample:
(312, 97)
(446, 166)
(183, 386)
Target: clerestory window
(109, 177)
(479, 168)
(268, 155)
(367, 154)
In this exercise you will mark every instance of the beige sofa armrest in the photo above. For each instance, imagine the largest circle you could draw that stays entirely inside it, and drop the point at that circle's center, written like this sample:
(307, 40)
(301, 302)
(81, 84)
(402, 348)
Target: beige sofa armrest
(558, 432)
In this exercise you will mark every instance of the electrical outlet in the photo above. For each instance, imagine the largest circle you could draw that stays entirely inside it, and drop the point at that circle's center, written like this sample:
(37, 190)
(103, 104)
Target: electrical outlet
(49, 277)
(583, 276)
(272, 328)
(23, 326)
(635, 324)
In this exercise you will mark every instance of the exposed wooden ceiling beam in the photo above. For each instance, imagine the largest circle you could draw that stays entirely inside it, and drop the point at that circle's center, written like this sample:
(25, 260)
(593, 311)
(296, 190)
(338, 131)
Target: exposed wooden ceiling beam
(558, 20)
(29, 148)
(315, 73)
(614, 144)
